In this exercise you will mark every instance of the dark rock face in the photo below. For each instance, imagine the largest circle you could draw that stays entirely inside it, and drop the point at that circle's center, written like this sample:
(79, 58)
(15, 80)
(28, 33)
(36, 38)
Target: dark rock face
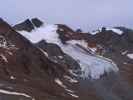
(52, 49)
(37, 22)
(56, 55)
(128, 33)
(79, 31)
(26, 26)
(106, 38)
(114, 41)
(66, 34)
(103, 29)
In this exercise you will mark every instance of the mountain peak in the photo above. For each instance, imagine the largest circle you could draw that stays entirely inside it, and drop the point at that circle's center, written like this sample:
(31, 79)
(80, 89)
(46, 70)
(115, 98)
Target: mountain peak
(37, 22)
(28, 25)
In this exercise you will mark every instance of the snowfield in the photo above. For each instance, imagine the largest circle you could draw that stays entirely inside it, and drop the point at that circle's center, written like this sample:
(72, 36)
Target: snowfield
(43, 33)
(118, 31)
(130, 56)
(92, 66)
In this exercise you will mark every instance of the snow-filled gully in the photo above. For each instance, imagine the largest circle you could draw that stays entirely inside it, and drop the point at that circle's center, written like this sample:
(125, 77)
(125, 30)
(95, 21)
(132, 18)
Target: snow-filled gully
(92, 66)
(16, 93)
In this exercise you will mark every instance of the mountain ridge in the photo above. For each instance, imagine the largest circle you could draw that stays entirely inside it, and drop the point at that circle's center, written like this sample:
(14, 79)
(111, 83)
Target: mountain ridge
(54, 62)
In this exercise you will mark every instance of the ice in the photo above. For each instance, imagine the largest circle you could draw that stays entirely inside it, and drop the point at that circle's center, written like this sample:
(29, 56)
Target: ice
(91, 66)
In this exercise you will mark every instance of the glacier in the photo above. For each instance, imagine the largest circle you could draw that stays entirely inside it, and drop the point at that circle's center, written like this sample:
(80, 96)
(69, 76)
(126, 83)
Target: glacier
(92, 66)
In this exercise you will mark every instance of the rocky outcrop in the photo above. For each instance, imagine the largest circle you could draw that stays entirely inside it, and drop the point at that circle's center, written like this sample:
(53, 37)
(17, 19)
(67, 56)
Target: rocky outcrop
(25, 26)
(37, 22)
(56, 55)
(28, 25)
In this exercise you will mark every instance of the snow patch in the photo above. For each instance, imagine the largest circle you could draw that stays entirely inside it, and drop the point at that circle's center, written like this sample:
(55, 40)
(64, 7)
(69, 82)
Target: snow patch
(12, 77)
(4, 58)
(73, 95)
(93, 49)
(45, 53)
(3, 41)
(130, 56)
(71, 80)
(72, 73)
(69, 91)
(61, 29)
(5, 44)
(125, 63)
(60, 57)
(15, 93)
(10, 53)
(59, 82)
(95, 32)
(82, 43)
(124, 53)
(118, 31)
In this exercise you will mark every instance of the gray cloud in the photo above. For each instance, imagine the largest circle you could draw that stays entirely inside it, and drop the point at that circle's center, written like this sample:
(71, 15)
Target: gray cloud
(87, 14)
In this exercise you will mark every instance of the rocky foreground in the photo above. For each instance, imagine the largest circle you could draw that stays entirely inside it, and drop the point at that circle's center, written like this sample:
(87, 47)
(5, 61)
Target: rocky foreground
(54, 62)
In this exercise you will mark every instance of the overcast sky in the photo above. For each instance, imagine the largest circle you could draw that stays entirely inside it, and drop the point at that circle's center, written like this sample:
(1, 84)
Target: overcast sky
(87, 14)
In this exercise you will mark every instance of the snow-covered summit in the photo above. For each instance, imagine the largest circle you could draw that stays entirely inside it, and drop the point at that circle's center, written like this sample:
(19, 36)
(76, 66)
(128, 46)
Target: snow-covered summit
(43, 33)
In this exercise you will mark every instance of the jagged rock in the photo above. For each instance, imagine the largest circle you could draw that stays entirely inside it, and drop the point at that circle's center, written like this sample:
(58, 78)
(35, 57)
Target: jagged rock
(25, 26)
(37, 22)
(66, 34)
(57, 55)
(28, 25)
(79, 31)
(103, 29)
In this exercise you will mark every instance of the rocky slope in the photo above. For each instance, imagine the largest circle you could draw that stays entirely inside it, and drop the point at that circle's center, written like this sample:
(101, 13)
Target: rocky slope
(26, 72)
(54, 62)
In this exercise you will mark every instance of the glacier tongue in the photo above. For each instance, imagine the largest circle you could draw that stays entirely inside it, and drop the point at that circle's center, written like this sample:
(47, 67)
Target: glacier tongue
(92, 66)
